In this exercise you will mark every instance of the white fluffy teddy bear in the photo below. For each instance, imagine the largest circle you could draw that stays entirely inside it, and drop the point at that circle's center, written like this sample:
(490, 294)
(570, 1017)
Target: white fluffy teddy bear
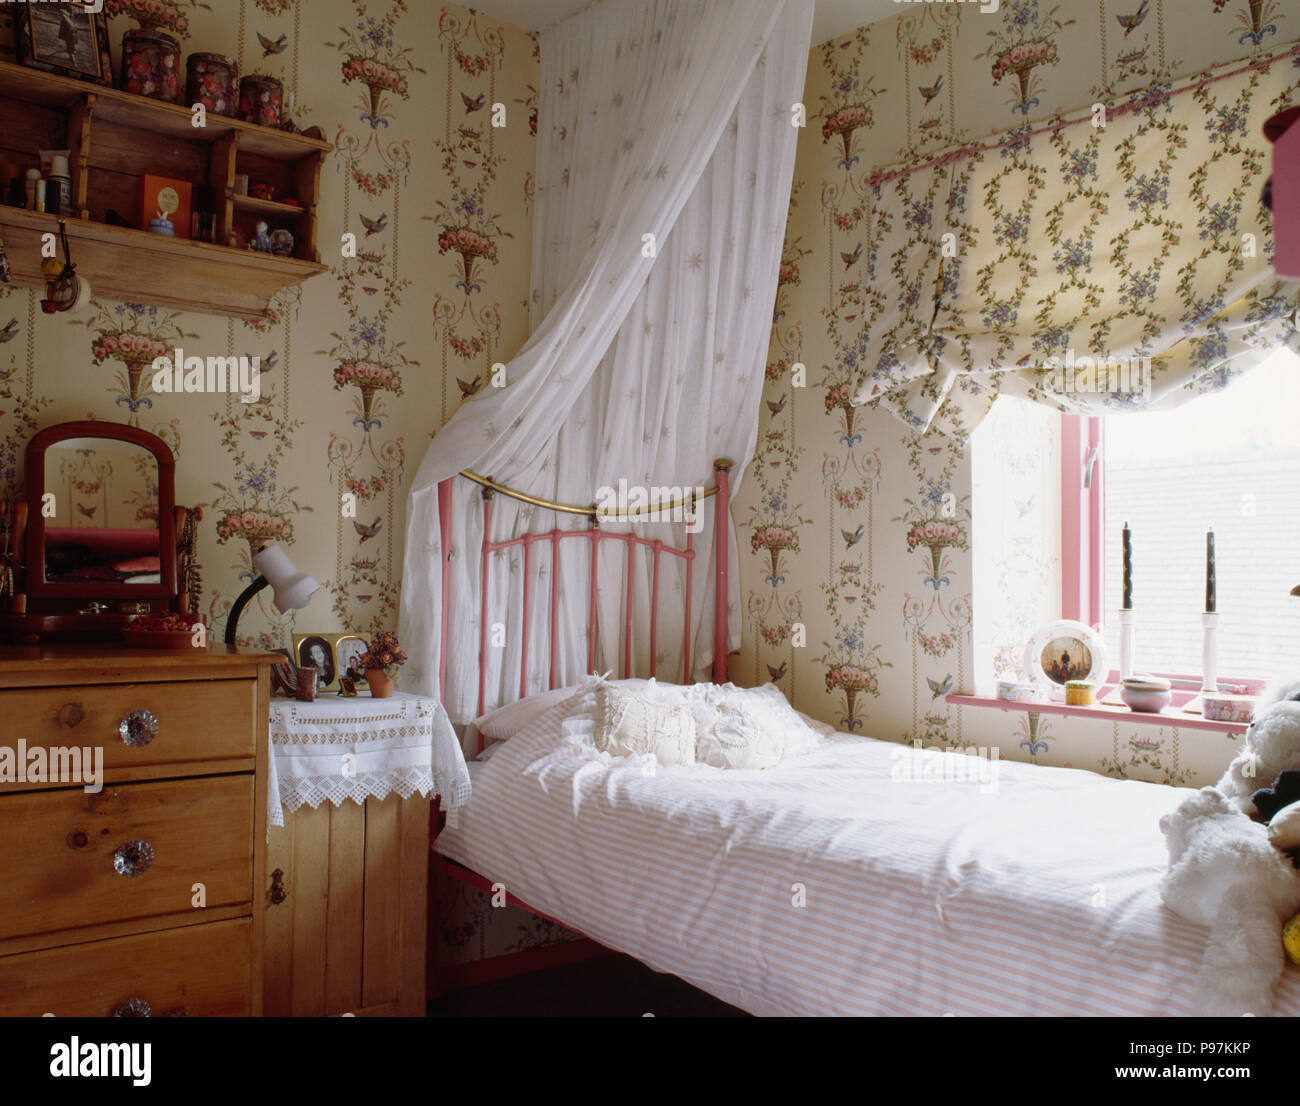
(1226, 874)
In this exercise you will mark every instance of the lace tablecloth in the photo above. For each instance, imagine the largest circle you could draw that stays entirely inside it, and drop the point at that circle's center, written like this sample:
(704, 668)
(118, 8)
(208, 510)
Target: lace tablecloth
(334, 749)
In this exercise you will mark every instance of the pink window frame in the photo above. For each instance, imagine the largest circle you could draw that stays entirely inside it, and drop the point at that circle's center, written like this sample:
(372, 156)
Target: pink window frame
(1083, 536)
(1083, 560)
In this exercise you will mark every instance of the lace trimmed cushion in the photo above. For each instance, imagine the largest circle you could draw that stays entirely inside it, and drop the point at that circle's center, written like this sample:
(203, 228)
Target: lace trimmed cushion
(752, 728)
(628, 723)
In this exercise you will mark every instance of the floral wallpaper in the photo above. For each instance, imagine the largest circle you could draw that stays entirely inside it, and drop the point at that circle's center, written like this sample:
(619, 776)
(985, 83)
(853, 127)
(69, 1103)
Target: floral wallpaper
(360, 365)
(857, 534)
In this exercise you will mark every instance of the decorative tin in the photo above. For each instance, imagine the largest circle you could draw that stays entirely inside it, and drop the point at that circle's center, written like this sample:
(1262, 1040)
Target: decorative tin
(151, 65)
(213, 81)
(261, 100)
(1080, 693)
(1220, 707)
(1015, 691)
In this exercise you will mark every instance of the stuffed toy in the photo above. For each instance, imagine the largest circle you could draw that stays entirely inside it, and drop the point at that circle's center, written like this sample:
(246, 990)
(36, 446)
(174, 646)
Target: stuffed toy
(1227, 871)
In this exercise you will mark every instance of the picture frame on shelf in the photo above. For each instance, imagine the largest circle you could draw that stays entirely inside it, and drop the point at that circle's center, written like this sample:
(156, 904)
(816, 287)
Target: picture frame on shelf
(1066, 650)
(69, 39)
(347, 687)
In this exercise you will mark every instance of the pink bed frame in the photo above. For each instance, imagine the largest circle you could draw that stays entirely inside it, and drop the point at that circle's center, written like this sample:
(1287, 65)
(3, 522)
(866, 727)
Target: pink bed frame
(592, 536)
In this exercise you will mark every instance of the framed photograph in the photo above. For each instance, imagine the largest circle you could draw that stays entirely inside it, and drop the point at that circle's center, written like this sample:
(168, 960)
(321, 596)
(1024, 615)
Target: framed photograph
(347, 651)
(1064, 651)
(68, 38)
(317, 651)
(283, 679)
(347, 687)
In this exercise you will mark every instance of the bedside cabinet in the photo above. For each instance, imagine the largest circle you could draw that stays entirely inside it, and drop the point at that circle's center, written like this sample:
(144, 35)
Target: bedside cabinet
(133, 895)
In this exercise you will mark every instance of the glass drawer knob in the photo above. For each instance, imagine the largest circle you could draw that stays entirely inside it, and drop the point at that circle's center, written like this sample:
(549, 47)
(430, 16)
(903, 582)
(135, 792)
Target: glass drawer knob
(133, 859)
(132, 1008)
(138, 728)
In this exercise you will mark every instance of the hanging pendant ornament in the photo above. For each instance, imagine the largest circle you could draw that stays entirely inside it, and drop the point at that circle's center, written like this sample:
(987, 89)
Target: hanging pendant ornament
(64, 290)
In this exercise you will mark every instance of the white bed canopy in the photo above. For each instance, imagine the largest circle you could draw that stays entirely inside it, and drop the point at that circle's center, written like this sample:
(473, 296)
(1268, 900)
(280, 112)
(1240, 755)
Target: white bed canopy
(670, 118)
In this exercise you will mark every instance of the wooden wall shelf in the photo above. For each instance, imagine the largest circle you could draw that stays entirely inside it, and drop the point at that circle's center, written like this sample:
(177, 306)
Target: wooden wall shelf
(115, 138)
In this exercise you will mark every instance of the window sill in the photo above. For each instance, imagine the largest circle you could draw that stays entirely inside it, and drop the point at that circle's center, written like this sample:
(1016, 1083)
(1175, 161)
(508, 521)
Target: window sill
(1174, 716)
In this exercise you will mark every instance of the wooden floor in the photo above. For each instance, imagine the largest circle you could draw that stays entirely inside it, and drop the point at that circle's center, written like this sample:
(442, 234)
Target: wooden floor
(610, 987)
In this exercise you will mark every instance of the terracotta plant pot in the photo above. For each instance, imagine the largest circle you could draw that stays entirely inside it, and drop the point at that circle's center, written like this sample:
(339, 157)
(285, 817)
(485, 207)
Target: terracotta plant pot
(381, 684)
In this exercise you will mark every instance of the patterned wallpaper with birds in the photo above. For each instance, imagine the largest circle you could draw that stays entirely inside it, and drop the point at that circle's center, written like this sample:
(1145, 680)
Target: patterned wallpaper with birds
(856, 552)
(359, 364)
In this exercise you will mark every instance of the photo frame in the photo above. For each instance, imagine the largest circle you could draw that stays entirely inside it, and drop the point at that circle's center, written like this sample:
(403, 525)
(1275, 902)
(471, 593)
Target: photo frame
(347, 650)
(317, 651)
(1066, 650)
(283, 679)
(67, 38)
(347, 687)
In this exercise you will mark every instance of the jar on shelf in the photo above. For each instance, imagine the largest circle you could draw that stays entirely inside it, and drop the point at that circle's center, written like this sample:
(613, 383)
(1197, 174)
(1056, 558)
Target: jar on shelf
(151, 65)
(261, 100)
(213, 81)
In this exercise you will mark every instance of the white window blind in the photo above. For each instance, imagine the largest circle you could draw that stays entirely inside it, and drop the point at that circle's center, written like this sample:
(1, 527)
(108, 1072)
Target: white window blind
(1230, 461)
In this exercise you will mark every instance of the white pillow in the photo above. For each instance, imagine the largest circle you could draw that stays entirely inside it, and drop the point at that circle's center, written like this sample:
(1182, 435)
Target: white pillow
(504, 722)
(753, 728)
(629, 723)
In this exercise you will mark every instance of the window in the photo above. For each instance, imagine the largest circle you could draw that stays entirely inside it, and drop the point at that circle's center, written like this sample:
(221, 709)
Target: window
(1230, 461)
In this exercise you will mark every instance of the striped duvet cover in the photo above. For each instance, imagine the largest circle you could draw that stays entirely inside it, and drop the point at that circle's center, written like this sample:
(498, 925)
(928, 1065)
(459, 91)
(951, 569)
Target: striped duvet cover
(830, 886)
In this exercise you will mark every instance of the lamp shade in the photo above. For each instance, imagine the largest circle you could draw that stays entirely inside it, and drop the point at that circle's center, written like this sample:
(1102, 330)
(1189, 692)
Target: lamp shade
(292, 588)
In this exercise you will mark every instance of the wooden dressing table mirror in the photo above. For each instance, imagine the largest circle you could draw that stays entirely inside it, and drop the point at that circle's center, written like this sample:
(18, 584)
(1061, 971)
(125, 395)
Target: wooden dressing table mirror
(97, 537)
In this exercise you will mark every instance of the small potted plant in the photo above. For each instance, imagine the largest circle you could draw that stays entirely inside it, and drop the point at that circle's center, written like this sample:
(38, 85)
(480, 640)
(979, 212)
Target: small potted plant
(381, 661)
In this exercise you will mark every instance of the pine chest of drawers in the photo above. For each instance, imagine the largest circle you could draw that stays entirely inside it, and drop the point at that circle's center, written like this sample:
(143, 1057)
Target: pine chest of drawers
(132, 831)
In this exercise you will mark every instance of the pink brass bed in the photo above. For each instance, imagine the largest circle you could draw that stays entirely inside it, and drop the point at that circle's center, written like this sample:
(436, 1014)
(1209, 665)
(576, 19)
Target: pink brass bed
(829, 884)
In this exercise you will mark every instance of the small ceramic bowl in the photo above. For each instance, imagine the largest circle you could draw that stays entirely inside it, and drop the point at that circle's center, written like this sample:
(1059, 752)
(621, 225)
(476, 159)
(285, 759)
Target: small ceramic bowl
(1147, 694)
(1220, 707)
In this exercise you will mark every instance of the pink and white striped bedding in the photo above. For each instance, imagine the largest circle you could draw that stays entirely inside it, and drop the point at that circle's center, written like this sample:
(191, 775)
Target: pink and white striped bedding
(1037, 898)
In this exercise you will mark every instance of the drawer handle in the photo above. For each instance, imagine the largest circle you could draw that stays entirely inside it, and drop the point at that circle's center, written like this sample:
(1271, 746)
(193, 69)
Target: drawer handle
(133, 859)
(138, 728)
(133, 1008)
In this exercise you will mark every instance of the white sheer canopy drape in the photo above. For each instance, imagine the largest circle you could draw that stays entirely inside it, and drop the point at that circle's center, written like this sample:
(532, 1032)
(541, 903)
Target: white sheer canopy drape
(670, 118)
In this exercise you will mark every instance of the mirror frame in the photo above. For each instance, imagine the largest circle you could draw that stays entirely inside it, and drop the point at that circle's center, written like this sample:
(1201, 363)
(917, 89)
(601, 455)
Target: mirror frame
(37, 584)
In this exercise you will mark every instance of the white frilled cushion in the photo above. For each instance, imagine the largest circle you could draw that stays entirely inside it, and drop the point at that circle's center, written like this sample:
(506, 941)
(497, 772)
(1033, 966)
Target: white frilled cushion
(629, 723)
(720, 725)
(752, 728)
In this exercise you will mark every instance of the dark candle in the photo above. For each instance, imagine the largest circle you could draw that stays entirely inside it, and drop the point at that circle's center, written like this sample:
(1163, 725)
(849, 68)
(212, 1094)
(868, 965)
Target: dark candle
(1209, 571)
(1127, 603)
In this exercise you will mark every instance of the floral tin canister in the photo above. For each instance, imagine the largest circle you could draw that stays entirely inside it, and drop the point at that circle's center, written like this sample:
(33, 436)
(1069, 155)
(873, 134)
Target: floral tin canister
(1014, 691)
(261, 100)
(213, 81)
(151, 65)
(1219, 707)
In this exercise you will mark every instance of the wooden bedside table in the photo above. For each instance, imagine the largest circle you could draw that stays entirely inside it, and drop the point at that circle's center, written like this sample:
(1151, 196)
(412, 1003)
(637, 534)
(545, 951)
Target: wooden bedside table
(349, 852)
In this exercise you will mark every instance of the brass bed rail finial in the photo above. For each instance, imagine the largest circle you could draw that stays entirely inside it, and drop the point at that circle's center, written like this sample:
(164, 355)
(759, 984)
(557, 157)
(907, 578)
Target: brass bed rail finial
(491, 487)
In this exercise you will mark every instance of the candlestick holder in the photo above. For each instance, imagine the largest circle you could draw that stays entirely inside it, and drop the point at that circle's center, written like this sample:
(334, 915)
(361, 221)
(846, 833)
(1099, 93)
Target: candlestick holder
(1209, 661)
(1210, 651)
(1126, 622)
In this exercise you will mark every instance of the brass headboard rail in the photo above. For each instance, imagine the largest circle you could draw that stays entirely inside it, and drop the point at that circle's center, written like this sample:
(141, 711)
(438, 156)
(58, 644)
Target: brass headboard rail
(490, 486)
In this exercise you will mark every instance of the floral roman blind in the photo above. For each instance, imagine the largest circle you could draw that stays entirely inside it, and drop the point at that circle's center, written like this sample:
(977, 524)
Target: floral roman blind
(1089, 263)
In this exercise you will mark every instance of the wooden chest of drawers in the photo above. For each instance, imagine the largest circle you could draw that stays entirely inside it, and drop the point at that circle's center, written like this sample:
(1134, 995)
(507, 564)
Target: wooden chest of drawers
(133, 804)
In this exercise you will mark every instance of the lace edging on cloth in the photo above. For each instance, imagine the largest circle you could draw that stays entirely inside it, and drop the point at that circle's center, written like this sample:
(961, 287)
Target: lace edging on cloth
(313, 790)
